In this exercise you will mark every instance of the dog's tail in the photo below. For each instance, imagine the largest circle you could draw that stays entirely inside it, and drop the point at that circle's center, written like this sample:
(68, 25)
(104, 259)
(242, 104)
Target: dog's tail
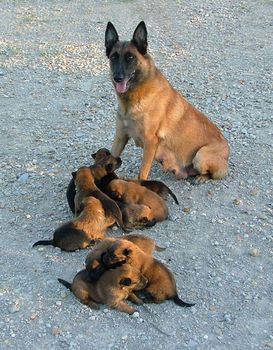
(159, 249)
(47, 242)
(65, 283)
(180, 302)
(160, 188)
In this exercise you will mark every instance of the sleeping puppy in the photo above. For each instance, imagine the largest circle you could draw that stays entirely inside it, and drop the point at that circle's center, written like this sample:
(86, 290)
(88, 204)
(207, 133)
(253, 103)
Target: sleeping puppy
(112, 289)
(161, 283)
(133, 193)
(79, 233)
(93, 261)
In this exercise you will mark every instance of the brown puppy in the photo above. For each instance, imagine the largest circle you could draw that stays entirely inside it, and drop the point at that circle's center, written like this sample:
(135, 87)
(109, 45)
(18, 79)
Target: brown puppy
(156, 186)
(93, 261)
(85, 179)
(79, 233)
(157, 117)
(133, 193)
(161, 283)
(112, 289)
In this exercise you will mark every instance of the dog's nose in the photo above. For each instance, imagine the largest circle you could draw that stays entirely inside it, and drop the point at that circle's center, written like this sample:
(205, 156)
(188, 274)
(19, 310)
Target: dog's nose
(118, 78)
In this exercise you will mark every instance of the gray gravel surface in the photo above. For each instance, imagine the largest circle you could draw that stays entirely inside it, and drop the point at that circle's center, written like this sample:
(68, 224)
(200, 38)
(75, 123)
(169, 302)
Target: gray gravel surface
(58, 106)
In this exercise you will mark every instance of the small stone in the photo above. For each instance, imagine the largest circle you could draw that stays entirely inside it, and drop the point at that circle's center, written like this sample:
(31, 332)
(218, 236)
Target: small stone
(92, 318)
(124, 337)
(105, 311)
(63, 294)
(186, 210)
(135, 314)
(56, 331)
(33, 316)
(212, 308)
(206, 336)
(28, 216)
(237, 202)
(254, 252)
(58, 303)
(14, 308)
(192, 343)
(23, 177)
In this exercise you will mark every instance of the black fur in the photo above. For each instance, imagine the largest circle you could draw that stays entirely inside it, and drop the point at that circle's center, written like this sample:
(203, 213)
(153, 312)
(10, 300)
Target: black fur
(47, 242)
(159, 187)
(65, 283)
(140, 38)
(180, 302)
(111, 37)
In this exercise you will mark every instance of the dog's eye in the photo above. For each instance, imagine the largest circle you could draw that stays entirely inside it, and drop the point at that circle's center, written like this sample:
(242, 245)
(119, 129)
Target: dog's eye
(129, 57)
(114, 57)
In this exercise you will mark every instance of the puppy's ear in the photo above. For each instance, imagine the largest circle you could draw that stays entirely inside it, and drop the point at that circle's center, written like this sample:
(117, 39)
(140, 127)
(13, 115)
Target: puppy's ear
(125, 281)
(93, 155)
(74, 174)
(140, 38)
(111, 37)
(127, 252)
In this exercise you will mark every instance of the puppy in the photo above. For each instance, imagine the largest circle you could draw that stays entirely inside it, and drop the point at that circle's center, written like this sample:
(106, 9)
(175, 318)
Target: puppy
(161, 283)
(158, 118)
(93, 261)
(85, 186)
(79, 233)
(112, 289)
(133, 193)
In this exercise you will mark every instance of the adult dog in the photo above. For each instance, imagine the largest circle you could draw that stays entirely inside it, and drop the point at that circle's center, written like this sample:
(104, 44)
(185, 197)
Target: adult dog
(157, 117)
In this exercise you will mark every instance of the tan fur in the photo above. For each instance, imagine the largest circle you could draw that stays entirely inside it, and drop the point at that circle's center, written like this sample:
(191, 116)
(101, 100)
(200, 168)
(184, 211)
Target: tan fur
(161, 282)
(167, 126)
(133, 193)
(109, 289)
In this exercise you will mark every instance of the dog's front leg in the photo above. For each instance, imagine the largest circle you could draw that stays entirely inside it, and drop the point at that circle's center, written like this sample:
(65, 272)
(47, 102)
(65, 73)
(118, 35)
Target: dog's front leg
(120, 140)
(150, 147)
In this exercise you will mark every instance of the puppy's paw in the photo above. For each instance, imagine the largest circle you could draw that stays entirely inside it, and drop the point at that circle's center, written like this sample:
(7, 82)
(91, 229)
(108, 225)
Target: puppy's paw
(201, 179)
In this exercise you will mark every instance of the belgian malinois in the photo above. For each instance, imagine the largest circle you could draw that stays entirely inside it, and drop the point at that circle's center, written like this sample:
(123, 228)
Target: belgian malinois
(157, 117)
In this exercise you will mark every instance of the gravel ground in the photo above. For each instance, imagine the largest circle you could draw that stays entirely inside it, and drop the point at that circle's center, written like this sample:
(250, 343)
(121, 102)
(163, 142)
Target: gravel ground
(58, 106)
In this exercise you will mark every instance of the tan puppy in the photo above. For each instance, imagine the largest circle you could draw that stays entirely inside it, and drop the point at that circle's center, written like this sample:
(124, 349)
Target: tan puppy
(112, 289)
(93, 261)
(157, 117)
(133, 193)
(161, 283)
(85, 179)
(79, 233)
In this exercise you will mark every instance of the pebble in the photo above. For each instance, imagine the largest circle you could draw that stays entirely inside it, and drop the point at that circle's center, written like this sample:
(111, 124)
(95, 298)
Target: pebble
(56, 331)
(186, 210)
(135, 314)
(14, 308)
(58, 303)
(23, 177)
(254, 252)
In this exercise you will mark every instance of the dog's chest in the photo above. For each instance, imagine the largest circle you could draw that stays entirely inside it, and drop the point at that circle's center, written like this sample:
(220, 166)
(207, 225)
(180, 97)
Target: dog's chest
(133, 125)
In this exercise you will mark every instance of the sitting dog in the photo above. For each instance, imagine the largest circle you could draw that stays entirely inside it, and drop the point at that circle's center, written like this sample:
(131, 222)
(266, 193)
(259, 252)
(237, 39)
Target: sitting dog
(158, 118)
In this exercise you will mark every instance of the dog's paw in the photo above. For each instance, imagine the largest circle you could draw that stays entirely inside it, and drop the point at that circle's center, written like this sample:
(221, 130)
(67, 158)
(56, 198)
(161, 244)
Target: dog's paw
(201, 179)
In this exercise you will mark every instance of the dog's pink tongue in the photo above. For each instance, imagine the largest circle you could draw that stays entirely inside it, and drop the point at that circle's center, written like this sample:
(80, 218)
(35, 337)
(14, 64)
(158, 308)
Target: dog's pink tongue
(121, 87)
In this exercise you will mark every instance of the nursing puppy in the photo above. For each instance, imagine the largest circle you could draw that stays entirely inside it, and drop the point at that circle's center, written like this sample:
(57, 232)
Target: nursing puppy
(133, 193)
(79, 233)
(154, 185)
(84, 180)
(161, 283)
(94, 263)
(112, 289)
(158, 118)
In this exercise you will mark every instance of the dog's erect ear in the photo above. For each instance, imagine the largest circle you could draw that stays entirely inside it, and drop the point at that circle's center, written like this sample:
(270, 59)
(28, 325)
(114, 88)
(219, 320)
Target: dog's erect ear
(140, 38)
(94, 155)
(74, 174)
(126, 281)
(111, 37)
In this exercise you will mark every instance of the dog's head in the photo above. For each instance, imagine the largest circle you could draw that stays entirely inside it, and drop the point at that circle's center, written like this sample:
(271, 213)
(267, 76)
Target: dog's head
(119, 253)
(100, 154)
(128, 278)
(127, 58)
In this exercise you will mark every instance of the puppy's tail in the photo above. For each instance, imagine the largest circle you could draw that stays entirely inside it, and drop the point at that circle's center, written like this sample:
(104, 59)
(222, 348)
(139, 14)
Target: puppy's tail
(159, 249)
(160, 188)
(180, 302)
(65, 283)
(47, 242)
(173, 195)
